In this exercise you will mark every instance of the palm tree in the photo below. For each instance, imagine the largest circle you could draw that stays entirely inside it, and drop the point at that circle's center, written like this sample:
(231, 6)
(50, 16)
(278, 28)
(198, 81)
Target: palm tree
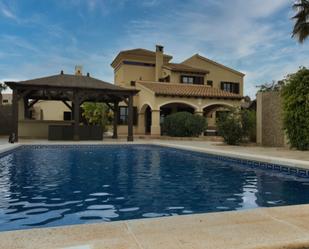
(2, 87)
(301, 27)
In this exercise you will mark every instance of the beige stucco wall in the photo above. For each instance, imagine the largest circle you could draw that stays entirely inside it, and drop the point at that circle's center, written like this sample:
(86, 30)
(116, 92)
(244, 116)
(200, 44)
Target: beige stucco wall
(127, 73)
(216, 72)
(36, 128)
(52, 110)
(270, 120)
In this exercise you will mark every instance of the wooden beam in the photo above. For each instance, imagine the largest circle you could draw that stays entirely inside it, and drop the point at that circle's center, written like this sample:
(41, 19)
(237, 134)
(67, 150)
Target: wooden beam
(126, 101)
(110, 106)
(115, 124)
(32, 103)
(67, 105)
(130, 119)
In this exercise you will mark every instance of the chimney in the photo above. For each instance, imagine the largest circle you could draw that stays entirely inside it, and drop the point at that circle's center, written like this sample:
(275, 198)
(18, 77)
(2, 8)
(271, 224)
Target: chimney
(78, 70)
(61, 72)
(159, 61)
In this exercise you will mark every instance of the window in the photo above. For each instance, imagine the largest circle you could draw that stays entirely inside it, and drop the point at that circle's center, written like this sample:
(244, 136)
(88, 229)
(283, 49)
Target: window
(67, 116)
(192, 79)
(123, 115)
(5, 101)
(231, 87)
(209, 82)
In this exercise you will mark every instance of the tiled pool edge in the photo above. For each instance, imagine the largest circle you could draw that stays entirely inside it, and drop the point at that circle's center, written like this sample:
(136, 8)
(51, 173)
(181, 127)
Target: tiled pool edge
(285, 165)
(298, 168)
(8, 148)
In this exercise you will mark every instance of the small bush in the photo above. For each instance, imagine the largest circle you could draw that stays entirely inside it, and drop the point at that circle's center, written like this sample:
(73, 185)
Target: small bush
(184, 124)
(248, 123)
(96, 114)
(230, 128)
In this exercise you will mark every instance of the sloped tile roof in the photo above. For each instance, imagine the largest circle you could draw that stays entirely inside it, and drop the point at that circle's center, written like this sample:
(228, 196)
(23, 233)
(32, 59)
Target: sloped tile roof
(186, 90)
(69, 81)
(178, 67)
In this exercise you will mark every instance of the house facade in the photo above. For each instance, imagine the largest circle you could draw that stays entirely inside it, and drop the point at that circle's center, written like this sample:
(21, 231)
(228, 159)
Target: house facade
(197, 85)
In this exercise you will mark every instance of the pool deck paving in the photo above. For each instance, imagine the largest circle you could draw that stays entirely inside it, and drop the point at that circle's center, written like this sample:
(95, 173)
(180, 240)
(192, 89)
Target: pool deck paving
(279, 227)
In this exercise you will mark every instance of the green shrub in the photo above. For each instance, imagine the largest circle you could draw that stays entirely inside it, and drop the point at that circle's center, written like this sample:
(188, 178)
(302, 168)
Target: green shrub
(184, 124)
(295, 95)
(96, 114)
(237, 126)
(230, 128)
(248, 124)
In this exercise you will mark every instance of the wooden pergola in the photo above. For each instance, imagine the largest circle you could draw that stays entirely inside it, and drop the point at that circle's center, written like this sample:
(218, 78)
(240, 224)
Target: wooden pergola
(76, 89)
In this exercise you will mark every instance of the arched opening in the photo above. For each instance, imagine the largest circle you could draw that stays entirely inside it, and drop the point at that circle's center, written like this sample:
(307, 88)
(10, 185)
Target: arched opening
(213, 112)
(148, 120)
(171, 108)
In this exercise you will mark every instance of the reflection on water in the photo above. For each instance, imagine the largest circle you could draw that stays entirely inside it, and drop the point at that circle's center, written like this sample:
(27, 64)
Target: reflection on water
(54, 186)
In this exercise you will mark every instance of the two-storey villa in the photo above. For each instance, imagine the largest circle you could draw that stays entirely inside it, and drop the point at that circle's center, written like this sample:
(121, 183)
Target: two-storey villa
(198, 85)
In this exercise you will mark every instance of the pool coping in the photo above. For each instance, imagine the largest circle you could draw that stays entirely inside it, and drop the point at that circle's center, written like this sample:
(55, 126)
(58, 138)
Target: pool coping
(266, 159)
(268, 228)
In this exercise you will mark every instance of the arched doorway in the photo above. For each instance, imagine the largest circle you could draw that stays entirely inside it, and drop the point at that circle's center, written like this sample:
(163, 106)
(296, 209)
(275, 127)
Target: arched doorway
(148, 120)
(212, 112)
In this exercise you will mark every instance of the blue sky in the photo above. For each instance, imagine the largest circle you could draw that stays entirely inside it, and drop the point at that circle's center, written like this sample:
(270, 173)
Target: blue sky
(39, 38)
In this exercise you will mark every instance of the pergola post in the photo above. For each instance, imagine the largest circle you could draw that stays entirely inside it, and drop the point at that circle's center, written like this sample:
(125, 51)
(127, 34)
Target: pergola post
(130, 119)
(26, 108)
(15, 115)
(115, 124)
(76, 103)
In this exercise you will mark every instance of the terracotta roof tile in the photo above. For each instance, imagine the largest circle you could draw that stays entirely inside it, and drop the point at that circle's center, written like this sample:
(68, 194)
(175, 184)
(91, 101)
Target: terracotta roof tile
(186, 90)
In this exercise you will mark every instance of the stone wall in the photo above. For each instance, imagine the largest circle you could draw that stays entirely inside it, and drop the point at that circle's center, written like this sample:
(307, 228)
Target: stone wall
(270, 120)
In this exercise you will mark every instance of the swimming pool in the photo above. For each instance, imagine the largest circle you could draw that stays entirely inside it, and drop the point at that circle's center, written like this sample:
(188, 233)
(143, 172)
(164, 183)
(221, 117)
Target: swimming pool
(55, 185)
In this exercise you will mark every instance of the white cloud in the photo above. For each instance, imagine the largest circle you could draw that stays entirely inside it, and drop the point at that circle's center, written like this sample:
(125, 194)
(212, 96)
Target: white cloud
(7, 12)
(237, 33)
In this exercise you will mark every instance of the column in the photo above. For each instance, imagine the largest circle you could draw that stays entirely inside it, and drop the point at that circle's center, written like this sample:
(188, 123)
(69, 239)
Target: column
(76, 102)
(115, 123)
(200, 113)
(155, 123)
(141, 123)
(15, 115)
(130, 119)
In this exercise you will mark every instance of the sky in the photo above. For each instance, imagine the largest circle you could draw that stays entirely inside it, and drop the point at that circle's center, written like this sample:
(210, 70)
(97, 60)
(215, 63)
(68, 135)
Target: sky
(40, 38)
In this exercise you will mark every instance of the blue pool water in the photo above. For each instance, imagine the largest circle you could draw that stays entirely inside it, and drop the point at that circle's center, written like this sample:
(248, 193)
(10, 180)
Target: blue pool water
(52, 185)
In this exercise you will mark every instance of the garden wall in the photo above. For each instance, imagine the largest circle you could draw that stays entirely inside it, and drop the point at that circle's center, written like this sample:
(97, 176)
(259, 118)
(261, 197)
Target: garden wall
(270, 120)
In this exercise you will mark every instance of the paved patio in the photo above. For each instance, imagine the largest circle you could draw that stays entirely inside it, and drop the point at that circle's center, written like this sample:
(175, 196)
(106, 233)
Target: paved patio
(283, 227)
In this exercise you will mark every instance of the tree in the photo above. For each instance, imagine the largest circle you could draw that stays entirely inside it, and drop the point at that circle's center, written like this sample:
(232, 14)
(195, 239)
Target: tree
(295, 95)
(301, 26)
(2, 88)
(96, 114)
(269, 87)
